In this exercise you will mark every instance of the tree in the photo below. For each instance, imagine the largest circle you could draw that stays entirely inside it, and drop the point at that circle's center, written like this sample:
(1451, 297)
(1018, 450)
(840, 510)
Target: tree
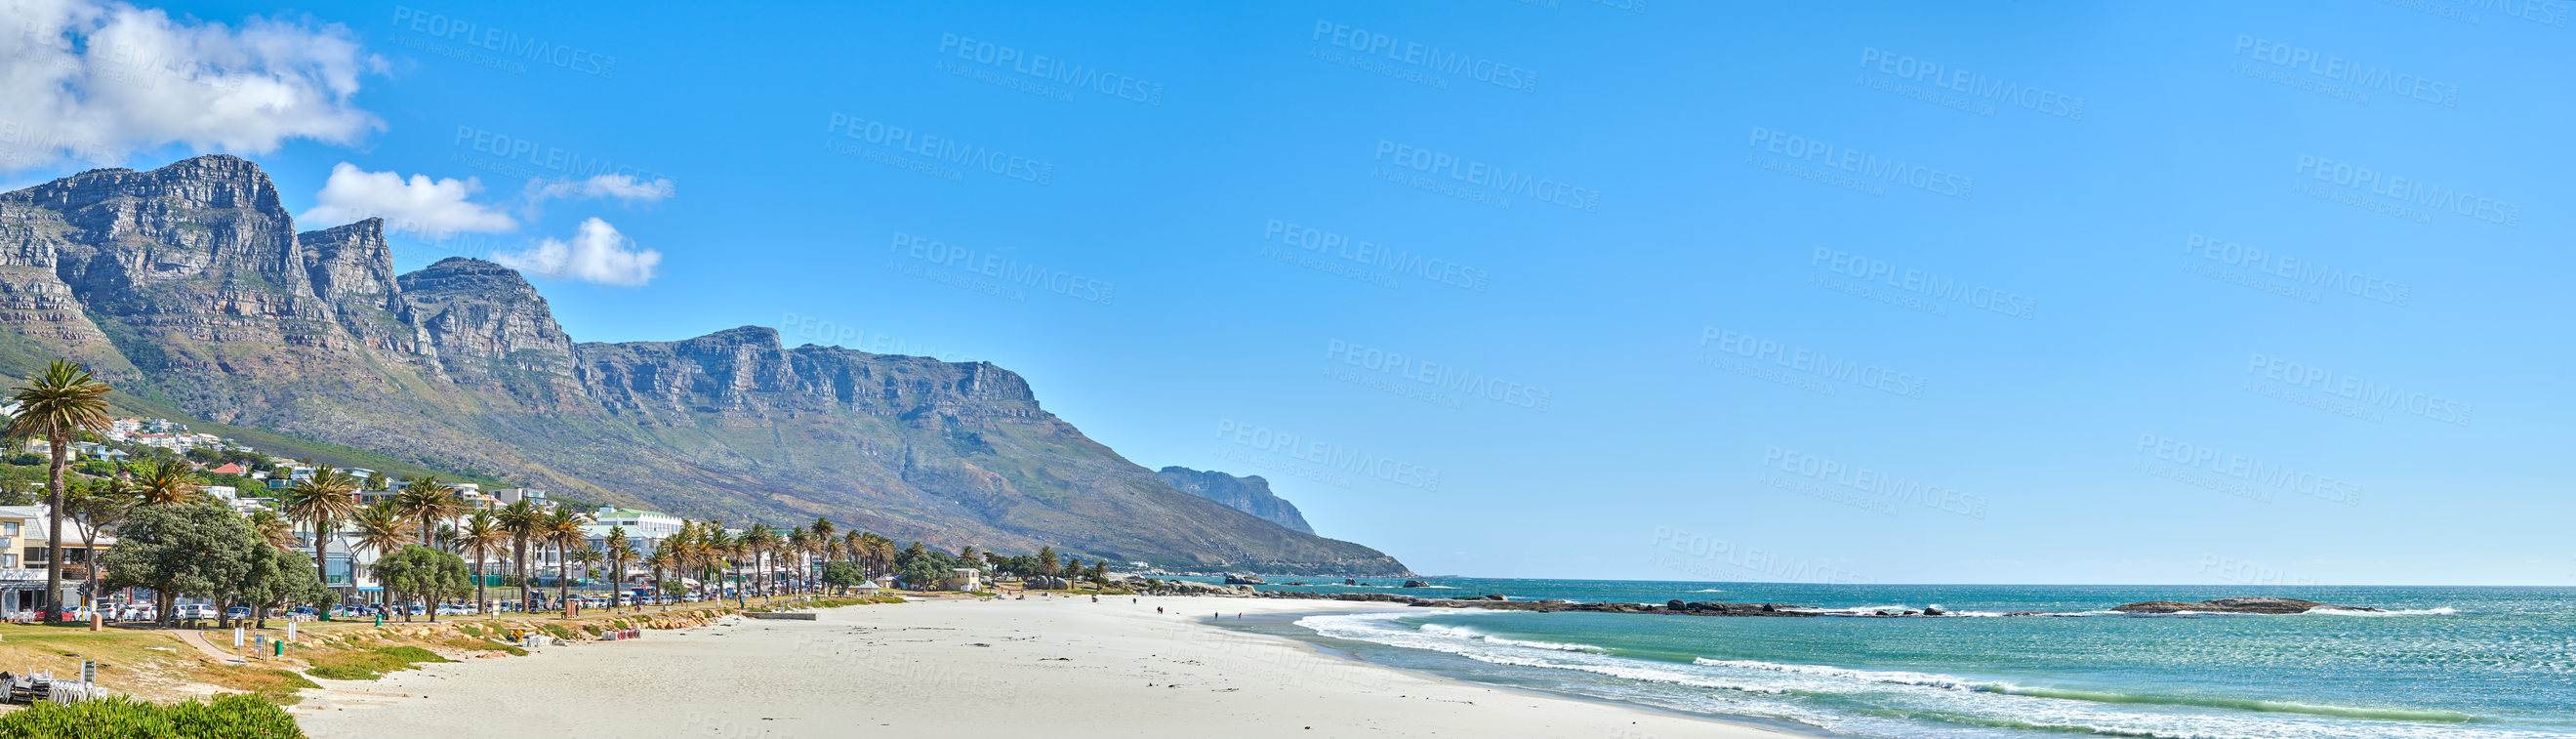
(168, 482)
(14, 489)
(621, 553)
(1046, 561)
(482, 533)
(323, 500)
(523, 522)
(420, 572)
(755, 543)
(381, 528)
(564, 529)
(1100, 572)
(844, 574)
(660, 561)
(799, 544)
(273, 528)
(94, 508)
(197, 549)
(429, 501)
(56, 404)
(829, 547)
(277, 577)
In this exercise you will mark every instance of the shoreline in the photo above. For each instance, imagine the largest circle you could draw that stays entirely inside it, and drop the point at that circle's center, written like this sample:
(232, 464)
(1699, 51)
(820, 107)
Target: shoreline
(1064, 666)
(1788, 728)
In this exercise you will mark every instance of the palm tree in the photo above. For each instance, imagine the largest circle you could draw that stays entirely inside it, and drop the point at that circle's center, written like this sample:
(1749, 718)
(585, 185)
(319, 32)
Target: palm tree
(273, 528)
(756, 543)
(55, 405)
(589, 559)
(168, 482)
(564, 529)
(523, 522)
(323, 500)
(824, 544)
(715, 546)
(880, 554)
(381, 527)
(661, 560)
(620, 553)
(429, 501)
(481, 534)
(799, 544)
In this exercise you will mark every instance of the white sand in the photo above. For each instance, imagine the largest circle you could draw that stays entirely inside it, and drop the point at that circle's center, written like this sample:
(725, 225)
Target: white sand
(1054, 667)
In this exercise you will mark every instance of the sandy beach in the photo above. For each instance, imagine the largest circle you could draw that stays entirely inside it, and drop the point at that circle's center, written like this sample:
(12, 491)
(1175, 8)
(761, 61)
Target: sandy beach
(1060, 667)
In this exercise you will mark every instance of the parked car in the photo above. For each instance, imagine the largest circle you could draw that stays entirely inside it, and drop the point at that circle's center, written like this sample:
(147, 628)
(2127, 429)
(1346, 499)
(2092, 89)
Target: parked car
(194, 612)
(454, 609)
(237, 613)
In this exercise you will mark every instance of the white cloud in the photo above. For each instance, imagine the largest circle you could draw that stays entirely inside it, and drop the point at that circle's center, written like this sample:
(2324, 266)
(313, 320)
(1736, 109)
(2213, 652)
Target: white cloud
(598, 254)
(434, 209)
(89, 81)
(615, 186)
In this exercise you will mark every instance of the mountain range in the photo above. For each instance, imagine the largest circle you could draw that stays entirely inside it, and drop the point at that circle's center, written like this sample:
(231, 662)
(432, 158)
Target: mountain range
(189, 289)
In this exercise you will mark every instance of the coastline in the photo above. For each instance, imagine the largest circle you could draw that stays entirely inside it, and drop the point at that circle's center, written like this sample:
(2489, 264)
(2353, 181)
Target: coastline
(1065, 666)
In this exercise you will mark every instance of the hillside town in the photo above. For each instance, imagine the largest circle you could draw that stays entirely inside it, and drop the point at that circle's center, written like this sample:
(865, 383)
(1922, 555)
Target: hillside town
(521, 549)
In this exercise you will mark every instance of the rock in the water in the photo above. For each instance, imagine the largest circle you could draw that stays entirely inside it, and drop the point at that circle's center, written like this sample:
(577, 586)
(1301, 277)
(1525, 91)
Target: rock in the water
(1416, 584)
(2264, 606)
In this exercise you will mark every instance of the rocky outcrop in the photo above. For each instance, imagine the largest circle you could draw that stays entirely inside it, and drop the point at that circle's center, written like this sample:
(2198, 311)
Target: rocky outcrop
(352, 270)
(188, 287)
(491, 330)
(2258, 606)
(1247, 494)
(1243, 580)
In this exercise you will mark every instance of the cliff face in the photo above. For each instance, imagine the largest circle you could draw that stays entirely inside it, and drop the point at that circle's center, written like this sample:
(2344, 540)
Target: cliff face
(188, 284)
(1247, 494)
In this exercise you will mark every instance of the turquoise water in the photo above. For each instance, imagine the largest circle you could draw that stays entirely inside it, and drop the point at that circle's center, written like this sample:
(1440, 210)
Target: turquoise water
(2447, 662)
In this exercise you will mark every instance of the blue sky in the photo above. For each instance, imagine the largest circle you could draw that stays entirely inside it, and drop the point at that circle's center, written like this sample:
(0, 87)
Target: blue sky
(2002, 292)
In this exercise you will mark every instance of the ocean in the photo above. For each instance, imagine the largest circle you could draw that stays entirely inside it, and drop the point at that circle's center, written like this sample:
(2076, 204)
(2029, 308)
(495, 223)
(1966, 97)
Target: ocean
(2441, 662)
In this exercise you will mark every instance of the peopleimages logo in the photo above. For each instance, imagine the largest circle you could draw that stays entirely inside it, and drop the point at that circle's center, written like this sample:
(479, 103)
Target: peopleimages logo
(2247, 469)
(2319, 379)
(2413, 192)
(1808, 363)
(932, 148)
(1327, 455)
(1048, 69)
(1972, 84)
(506, 43)
(971, 261)
(1480, 174)
(1927, 284)
(2328, 66)
(1864, 165)
(1427, 57)
(2301, 271)
(1437, 375)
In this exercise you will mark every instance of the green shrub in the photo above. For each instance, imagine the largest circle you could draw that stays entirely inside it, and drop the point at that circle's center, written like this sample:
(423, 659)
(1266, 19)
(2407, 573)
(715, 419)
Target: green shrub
(412, 654)
(342, 672)
(236, 716)
(470, 629)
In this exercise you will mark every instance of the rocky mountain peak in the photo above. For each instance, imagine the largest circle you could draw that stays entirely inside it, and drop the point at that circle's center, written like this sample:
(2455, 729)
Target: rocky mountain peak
(1247, 494)
(488, 325)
